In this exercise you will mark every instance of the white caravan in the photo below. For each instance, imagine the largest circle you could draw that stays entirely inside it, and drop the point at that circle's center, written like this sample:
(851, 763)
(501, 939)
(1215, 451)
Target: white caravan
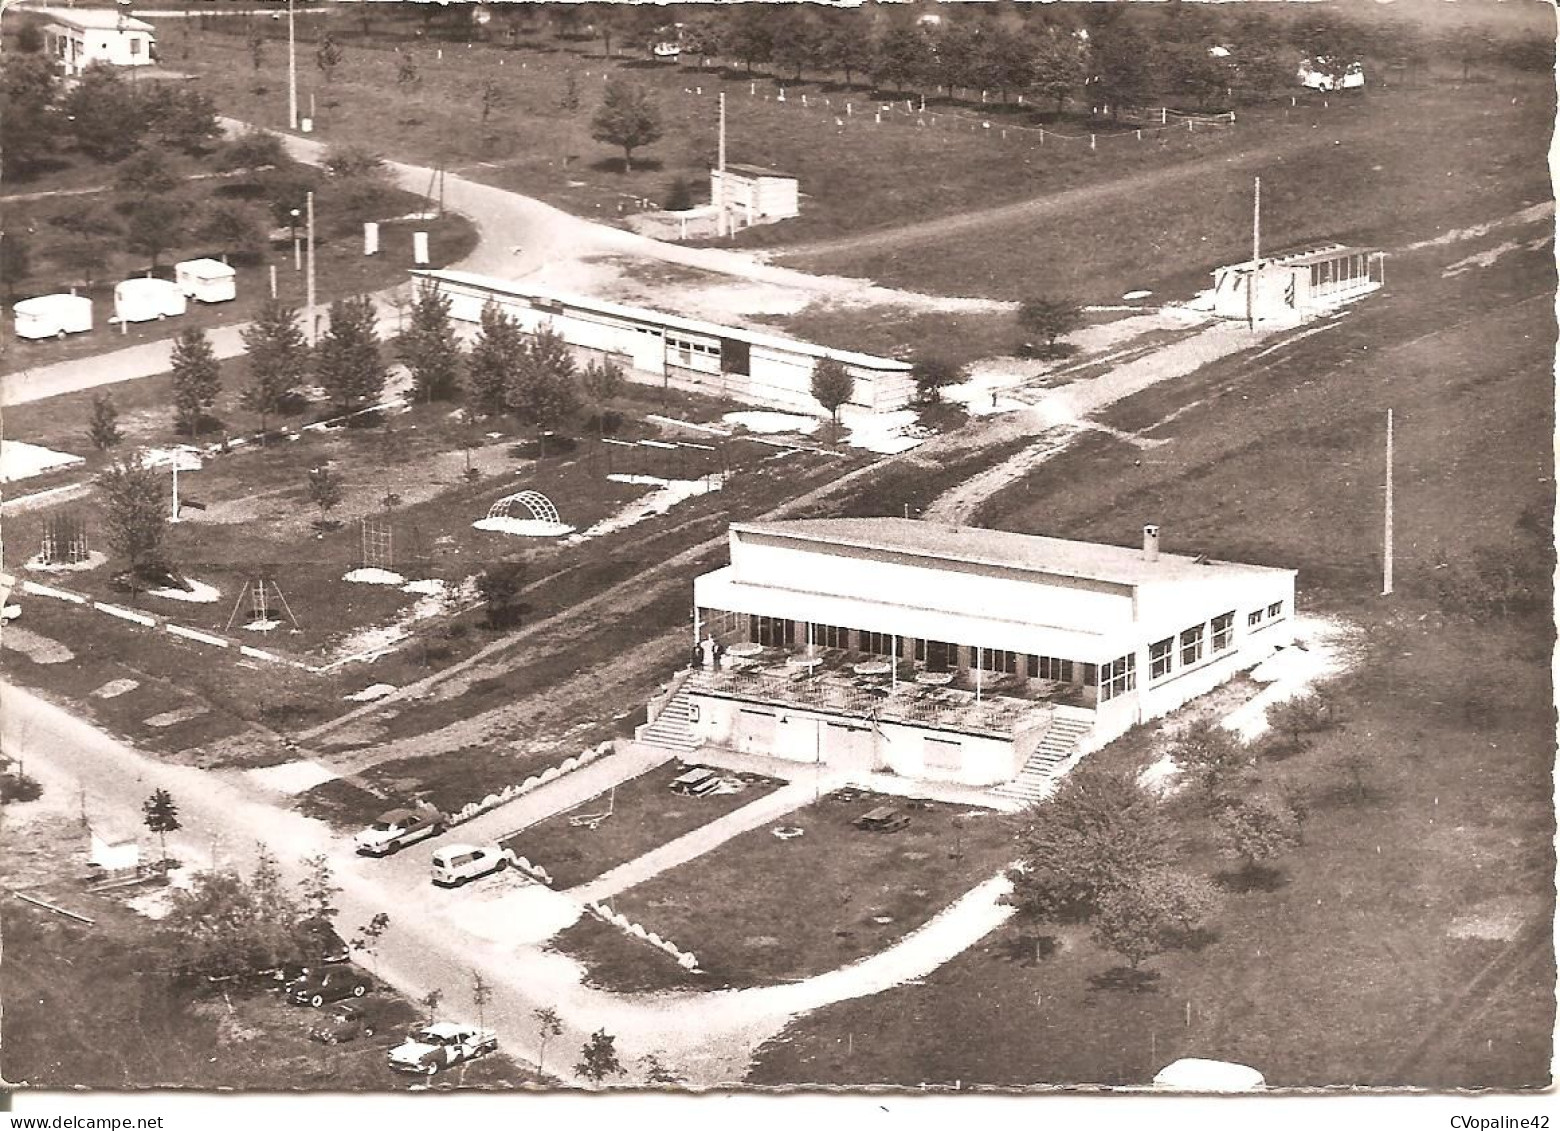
(52, 316)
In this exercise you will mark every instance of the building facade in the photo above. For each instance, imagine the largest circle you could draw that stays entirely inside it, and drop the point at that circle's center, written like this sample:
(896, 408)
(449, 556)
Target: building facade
(1290, 287)
(652, 346)
(960, 654)
(77, 38)
(752, 195)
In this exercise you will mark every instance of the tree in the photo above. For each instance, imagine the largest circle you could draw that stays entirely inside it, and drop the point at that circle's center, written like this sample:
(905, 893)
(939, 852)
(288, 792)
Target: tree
(1151, 913)
(1059, 67)
(29, 38)
(319, 888)
(15, 261)
(1097, 832)
(428, 347)
(494, 98)
(325, 491)
(257, 50)
(749, 34)
(598, 1058)
(277, 358)
(84, 258)
(105, 119)
(500, 586)
(846, 42)
(197, 379)
(155, 224)
(548, 1026)
(1123, 62)
(628, 118)
(1049, 319)
(430, 1001)
(161, 815)
(1261, 69)
(481, 994)
(222, 926)
(350, 161)
(701, 38)
(237, 229)
(369, 936)
(1300, 715)
(658, 1072)
(251, 151)
(28, 86)
(183, 118)
(679, 195)
(1211, 755)
(543, 391)
(1258, 829)
(905, 59)
(832, 386)
(136, 514)
(932, 374)
(795, 42)
(328, 57)
(103, 430)
(498, 352)
(602, 382)
(405, 69)
(347, 363)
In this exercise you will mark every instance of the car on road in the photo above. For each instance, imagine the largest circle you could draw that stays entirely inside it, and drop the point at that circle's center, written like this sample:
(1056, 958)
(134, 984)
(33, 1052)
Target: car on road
(883, 819)
(343, 1023)
(433, 1048)
(329, 983)
(397, 829)
(461, 863)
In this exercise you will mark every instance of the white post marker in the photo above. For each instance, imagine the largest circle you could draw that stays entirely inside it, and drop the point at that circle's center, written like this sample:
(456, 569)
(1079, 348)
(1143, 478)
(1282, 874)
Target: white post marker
(309, 280)
(1386, 549)
(420, 248)
(292, 71)
(370, 237)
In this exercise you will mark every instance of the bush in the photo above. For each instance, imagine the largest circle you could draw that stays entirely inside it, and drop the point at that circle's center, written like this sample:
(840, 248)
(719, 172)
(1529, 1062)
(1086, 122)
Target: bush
(679, 195)
(18, 788)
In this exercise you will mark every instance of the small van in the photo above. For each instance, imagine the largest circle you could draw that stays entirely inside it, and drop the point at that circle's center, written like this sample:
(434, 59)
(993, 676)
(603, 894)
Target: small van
(460, 863)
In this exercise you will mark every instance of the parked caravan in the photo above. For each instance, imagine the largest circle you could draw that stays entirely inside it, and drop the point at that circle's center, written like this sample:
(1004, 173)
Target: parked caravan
(52, 316)
(206, 280)
(142, 300)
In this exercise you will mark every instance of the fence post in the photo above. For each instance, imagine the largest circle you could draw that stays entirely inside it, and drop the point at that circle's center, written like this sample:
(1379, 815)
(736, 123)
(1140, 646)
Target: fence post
(1091, 143)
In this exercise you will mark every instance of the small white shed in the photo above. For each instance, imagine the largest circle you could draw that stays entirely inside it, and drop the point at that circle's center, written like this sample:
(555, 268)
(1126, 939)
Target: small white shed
(52, 316)
(755, 195)
(206, 280)
(112, 849)
(141, 300)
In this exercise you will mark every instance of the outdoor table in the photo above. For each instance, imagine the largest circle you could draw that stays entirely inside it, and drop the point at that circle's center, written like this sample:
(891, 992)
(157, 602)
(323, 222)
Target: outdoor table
(934, 679)
(876, 668)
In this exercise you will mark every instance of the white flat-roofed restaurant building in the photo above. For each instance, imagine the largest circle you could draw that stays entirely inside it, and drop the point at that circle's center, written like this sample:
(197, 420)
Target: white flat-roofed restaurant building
(653, 346)
(79, 37)
(998, 653)
(755, 195)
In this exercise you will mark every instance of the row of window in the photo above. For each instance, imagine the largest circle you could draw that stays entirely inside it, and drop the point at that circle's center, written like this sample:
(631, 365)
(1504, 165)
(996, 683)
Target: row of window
(777, 632)
(1218, 634)
(1258, 616)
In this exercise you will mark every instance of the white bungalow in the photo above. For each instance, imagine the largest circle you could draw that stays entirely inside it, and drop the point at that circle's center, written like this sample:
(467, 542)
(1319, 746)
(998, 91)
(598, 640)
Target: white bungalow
(960, 654)
(79, 37)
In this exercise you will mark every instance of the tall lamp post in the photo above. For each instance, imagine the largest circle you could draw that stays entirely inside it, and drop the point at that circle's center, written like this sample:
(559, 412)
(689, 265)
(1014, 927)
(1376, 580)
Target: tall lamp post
(297, 250)
(292, 71)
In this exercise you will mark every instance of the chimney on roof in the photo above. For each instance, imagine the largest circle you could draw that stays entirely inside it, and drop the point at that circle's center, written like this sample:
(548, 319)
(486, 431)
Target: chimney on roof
(1151, 542)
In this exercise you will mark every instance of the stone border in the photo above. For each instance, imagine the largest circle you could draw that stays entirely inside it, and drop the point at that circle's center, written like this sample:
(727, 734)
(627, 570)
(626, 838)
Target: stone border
(475, 809)
(633, 930)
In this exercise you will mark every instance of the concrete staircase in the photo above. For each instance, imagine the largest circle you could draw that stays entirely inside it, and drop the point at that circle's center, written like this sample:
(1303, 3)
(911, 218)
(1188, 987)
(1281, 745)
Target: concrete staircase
(1034, 780)
(670, 730)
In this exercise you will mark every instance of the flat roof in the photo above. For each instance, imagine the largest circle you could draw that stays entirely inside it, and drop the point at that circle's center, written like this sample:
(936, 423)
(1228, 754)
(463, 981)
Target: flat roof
(94, 19)
(1092, 561)
(669, 321)
(757, 171)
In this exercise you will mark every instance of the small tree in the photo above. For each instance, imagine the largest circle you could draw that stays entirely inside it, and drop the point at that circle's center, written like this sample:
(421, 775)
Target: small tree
(369, 936)
(679, 195)
(428, 347)
(932, 374)
(347, 361)
(832, 386)
(236, 229)
(104, 427)
(328, 57)
(256, 51)
(154, 225)
(628, 118)
(136, 514)
(146, 172)
(278, 360)
(544, 391)
(1354, 765)
(1049, 319)
(319, 888)
(1211, 755)
(500, 586)
(658, 1072)
(602, 382)
(598, 1058)
(496, 355)
(15, 261)
(1152, 913)
(430, 1001)
(1257, 830)
(161, 815)
(1299, 716)
(481, 994)
(325, 491)
(405, 69)
(548, 1026)
(493, 98)
(197, 379)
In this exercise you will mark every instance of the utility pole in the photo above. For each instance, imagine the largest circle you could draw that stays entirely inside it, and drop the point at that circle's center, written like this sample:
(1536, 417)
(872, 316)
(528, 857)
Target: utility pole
(292, 71)
(720, 163)
(1256, 255)
(1386, 550)
(309, 257)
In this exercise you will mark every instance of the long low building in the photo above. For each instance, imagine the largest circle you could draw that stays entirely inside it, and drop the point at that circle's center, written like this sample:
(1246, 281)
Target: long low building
(960, 654)
(726, 361)
(1289, 287)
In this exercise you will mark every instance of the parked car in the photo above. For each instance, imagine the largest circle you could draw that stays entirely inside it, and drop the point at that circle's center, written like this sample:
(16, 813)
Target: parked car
(460, 863)
(345, 1022)
(884, 819)
(320, 945)
(397, 829)
(329, 983)
(433, 1048)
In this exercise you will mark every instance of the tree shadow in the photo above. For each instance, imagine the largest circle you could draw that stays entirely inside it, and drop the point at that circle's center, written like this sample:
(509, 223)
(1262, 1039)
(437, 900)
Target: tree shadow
(618, 165)
(1029, 950)
(1249, 879)
(1125, 979)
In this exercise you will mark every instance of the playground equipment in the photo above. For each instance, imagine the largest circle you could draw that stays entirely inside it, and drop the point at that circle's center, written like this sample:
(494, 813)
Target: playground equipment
(64, 540)
(265, 600)
(527, 513)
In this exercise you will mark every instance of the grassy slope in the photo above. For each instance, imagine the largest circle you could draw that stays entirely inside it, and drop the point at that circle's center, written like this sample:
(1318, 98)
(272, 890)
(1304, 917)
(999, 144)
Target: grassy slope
(1337, 974)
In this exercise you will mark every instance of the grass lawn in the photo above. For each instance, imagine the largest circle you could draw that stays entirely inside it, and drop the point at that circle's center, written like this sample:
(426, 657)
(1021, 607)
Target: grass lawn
(1407, 941)
(645, 815)
(83, 1009)
(736, 907)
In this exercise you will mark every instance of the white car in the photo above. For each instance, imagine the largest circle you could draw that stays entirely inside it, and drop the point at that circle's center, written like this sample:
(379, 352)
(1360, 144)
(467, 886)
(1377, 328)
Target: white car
(397, 829)
(460, 863)
(433, 1048)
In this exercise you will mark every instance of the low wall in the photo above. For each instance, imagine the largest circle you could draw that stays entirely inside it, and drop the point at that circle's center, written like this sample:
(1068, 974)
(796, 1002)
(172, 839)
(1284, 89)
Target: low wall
(633, 930)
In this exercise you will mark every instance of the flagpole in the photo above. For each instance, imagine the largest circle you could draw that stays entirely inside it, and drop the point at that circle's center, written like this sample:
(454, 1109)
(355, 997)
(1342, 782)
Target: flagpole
(1386, 555)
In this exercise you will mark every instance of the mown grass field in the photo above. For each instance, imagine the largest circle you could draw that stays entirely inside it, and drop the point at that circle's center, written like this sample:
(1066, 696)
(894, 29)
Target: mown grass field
(1407, 942)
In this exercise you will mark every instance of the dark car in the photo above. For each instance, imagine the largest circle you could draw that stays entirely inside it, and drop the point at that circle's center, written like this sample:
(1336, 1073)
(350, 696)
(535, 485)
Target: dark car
(345, 1022)
(884, 819)
(330, 983)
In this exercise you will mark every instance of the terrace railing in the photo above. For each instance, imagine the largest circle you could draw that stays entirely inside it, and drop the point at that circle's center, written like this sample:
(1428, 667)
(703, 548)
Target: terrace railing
(947, 709)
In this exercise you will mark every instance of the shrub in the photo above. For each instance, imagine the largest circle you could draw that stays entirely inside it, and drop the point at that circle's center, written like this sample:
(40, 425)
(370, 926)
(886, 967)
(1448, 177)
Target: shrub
(18, 788)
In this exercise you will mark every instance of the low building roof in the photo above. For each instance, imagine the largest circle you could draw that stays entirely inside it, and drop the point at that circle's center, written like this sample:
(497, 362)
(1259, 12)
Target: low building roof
(757, 171)
(1092, 561)
(94, 19)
